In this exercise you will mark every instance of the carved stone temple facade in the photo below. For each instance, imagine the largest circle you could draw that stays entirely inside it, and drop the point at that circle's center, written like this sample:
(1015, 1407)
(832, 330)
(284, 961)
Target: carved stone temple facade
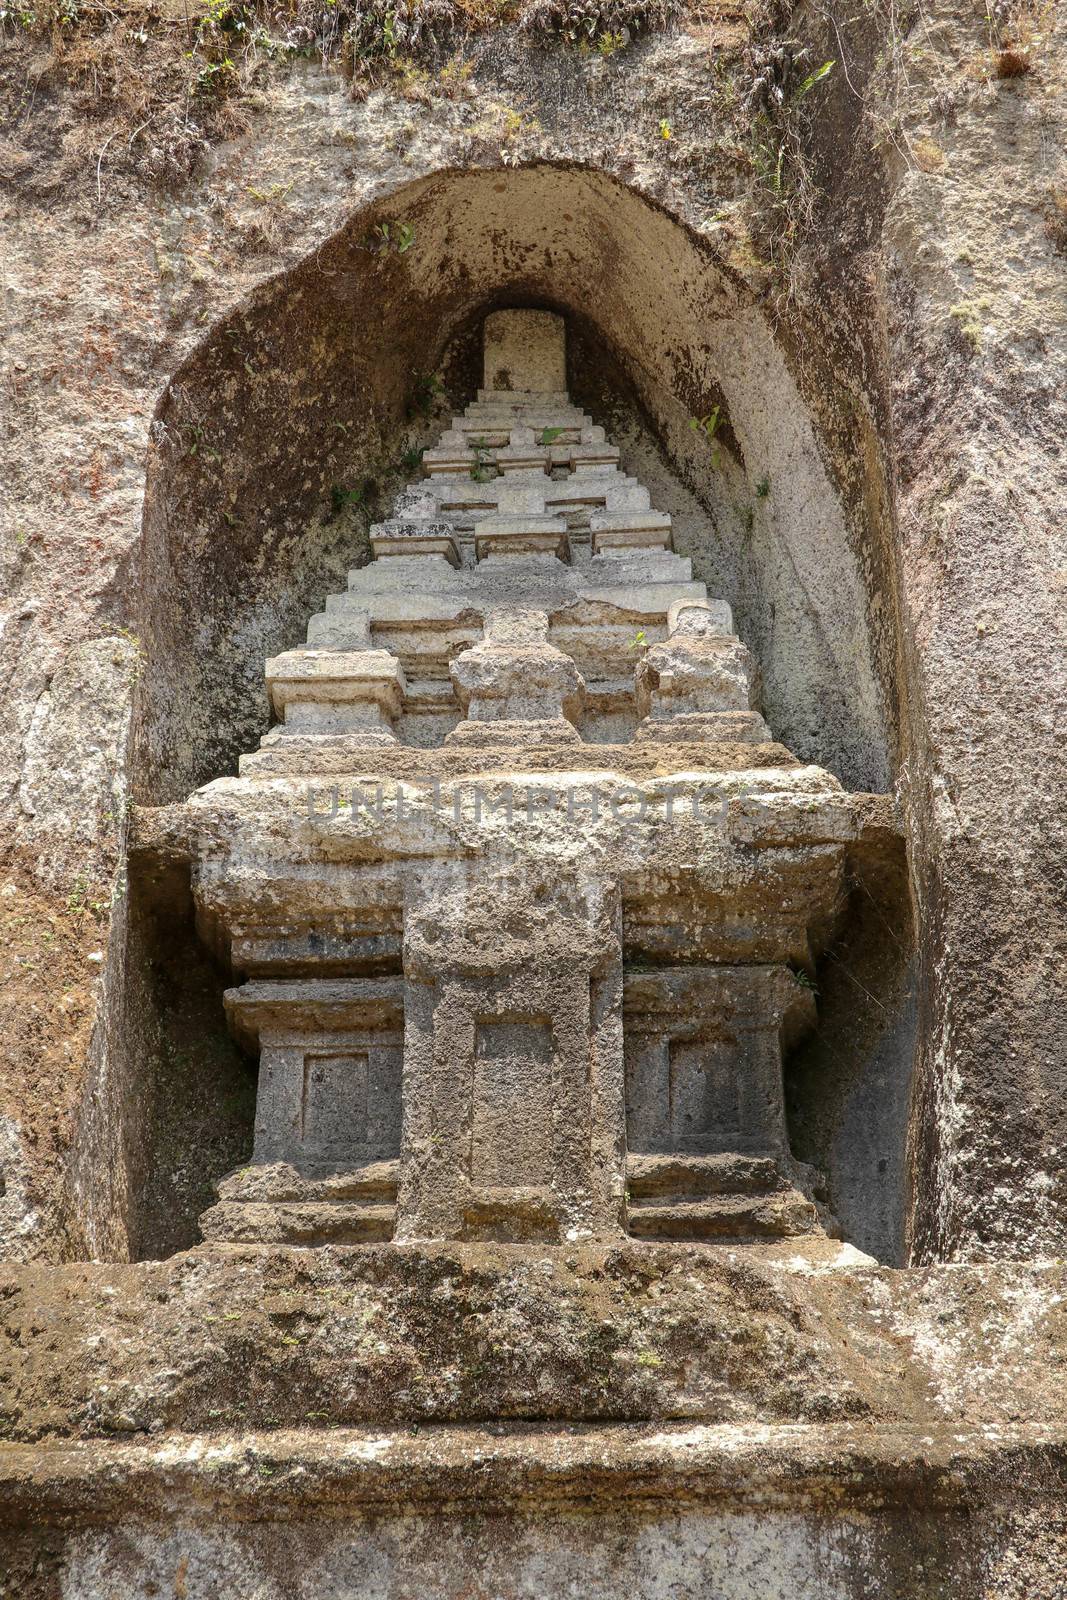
(533, 909)
(523, 897)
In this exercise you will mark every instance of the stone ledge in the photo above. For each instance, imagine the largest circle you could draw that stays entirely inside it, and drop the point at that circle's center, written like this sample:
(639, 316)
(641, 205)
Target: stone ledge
(252, 1476)
(254, 1338)
(165, 832)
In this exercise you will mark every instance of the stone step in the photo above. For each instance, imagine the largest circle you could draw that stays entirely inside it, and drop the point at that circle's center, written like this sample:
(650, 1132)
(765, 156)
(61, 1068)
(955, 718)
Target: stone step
(493, 427)
(468, 495)
(677, 1175)
(593, 457)
(309, 1223)
(277, 1204)
(448, 463)
(519, 407)
(465, 498)
(393, 540)
(525, 459)
(372, 1182)
(485, 433)
(767, 1216)
(729, 1195)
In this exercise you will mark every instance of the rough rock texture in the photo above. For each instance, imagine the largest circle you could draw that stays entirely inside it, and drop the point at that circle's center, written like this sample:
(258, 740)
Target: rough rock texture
(977, 330)
(832, 342)
(258, 1422)
(664, 1512)
(235, 1339)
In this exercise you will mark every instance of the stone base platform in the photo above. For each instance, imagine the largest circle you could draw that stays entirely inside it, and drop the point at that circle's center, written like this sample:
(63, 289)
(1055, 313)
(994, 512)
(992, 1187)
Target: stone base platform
(249, 1337)
(820, 1513)
(683, 1421)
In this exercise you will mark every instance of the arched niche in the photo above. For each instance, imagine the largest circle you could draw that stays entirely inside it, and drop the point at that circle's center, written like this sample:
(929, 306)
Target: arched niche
(313, 391)
(312, 387)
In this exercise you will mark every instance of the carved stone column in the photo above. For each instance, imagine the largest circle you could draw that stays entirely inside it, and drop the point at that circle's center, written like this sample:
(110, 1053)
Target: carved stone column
(513, 1073)
(516, 688)
(698, 684)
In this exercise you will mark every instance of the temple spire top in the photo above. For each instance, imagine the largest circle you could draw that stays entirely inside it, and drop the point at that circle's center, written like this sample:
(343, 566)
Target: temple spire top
(525, 351)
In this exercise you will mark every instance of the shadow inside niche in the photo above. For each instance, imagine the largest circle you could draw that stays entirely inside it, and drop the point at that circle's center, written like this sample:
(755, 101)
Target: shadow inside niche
(198, 1088)
(848, 1086)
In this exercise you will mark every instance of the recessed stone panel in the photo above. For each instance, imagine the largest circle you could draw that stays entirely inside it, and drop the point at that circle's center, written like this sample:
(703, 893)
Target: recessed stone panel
(350, 1108)
(334, 1103)
(328, 1112)
(703, 1058)
(511, 1142)
(703, 1110)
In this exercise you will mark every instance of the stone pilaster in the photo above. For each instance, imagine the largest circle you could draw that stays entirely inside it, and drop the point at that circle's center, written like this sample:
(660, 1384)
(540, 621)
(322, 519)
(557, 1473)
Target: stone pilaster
(513, 1071)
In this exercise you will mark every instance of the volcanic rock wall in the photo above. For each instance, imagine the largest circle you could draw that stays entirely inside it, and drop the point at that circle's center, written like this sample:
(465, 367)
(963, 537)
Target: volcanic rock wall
(237, 297)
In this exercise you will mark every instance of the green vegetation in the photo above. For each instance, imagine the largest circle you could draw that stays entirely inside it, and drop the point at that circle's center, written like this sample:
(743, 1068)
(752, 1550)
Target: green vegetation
(425, 393)
(483, 469)
(709, 426)
(391, 238)
(340, 498)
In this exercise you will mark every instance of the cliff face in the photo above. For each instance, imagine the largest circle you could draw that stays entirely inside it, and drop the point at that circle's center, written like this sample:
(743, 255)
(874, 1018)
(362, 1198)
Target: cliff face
(245, 256)
(982, 263)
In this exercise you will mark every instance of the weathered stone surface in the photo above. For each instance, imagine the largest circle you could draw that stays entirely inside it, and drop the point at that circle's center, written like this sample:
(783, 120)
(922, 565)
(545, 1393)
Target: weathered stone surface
(703, 1050)
(530, 1069)
(698, 675)
(223, 1339)
(513, 1072)
(516, 677)
(524, 350)
(884, 335)
(629, 530)
(327, 691)
(664, 1513)
(403, 539)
